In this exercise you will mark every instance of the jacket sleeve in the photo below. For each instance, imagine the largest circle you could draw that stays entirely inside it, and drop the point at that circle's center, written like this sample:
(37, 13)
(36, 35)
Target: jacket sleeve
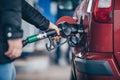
(33, 16)
(11, 18)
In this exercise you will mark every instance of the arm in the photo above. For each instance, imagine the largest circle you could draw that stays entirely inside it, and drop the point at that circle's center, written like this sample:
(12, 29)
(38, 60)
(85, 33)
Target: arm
(33, 16)
(11, 22)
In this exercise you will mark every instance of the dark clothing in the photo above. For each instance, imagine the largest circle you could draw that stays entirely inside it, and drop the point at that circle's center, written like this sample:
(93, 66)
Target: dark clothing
(11, 13)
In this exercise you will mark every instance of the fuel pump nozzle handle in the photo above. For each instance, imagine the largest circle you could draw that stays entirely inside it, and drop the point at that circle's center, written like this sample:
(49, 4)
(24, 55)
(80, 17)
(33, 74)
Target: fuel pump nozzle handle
(39, 36)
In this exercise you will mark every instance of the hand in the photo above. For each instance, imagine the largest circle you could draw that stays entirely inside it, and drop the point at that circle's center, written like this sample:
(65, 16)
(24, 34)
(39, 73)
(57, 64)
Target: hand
(15, 48)
(52, 26)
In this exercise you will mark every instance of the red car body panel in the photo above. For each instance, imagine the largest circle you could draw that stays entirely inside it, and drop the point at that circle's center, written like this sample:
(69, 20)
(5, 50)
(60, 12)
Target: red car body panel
(103, 45)
(117, 31)
(101, 37)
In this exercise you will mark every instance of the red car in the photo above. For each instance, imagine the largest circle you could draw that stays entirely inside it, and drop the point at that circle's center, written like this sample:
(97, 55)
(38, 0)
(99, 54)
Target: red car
(98, 58)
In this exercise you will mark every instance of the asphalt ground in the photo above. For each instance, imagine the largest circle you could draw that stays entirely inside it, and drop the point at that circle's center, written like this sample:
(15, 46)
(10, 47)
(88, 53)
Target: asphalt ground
(39, 68)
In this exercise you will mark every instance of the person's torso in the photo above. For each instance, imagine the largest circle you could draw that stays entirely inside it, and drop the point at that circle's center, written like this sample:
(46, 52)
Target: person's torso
(3, 41)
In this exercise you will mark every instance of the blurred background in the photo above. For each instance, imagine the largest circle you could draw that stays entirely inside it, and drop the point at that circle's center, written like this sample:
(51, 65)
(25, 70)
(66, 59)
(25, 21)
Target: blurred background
(36, 63)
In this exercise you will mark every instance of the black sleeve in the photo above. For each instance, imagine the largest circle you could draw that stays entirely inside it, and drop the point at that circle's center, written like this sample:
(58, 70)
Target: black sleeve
(11, 18)
(33, 16)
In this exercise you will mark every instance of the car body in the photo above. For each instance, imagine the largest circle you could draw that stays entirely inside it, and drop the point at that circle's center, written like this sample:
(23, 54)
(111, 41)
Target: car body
(99, 56)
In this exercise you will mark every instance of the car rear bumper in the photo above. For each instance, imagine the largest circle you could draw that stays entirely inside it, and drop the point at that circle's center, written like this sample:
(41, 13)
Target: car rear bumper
(93, 67)
(97, 66)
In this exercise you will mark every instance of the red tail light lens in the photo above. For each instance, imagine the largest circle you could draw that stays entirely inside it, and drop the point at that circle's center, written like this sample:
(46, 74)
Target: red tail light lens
(103, 11)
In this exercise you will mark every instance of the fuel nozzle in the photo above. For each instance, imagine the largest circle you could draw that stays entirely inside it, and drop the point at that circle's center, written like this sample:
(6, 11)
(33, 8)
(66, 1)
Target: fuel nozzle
(34, 38)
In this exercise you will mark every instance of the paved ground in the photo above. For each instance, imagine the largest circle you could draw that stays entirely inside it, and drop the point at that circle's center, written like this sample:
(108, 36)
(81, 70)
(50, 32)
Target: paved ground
(42, 71)
(52, 73)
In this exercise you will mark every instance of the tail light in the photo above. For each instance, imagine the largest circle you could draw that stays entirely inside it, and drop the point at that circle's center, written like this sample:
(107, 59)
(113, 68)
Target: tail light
(103, 11)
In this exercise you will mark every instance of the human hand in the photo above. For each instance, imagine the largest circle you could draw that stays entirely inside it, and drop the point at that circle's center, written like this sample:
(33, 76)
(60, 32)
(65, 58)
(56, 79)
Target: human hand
(15, 48)
(52, 26)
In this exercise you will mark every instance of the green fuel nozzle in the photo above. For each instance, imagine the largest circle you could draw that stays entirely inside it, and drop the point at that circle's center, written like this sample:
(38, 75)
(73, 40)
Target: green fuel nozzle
(34, 38)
